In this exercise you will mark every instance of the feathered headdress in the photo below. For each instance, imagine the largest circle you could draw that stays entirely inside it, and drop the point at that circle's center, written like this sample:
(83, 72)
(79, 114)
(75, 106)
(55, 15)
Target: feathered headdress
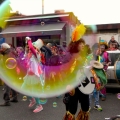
(103, 42)
(78, 32)
(81, 30)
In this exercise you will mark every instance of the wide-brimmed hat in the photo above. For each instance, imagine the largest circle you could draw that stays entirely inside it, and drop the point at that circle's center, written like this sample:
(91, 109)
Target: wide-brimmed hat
(38, 44)
(97, 65)
(5, 46)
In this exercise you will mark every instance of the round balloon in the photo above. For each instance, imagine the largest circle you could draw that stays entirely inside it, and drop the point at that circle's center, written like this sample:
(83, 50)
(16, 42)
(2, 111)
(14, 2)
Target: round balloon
(53, 80)
(11, 63)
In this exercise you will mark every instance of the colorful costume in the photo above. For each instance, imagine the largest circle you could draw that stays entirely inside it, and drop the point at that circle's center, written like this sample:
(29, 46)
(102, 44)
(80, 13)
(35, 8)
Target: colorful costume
(100, 80)
(34, 77)
(7, 53)
(71, 99)
(106, 61)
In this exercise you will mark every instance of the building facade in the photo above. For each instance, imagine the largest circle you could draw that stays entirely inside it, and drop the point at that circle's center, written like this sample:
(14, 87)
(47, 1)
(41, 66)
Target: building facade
(53, 28)
(106, 31)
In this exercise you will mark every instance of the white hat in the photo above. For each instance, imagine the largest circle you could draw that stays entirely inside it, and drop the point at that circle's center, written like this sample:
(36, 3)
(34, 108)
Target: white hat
(5, 45)
(97, 65)
(38, 44)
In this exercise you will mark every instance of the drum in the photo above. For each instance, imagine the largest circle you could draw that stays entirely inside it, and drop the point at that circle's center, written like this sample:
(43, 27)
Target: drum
(88, 84)
(117, 70)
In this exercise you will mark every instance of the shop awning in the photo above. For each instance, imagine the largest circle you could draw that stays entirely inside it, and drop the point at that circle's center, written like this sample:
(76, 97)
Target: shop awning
(32, 30)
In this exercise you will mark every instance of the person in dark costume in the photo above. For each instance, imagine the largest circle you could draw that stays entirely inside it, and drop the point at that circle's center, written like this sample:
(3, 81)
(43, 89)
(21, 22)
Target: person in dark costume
(7, 53)
(76, 48)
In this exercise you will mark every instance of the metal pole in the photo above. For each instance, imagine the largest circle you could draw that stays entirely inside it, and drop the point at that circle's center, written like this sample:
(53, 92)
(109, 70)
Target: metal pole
(42, 6)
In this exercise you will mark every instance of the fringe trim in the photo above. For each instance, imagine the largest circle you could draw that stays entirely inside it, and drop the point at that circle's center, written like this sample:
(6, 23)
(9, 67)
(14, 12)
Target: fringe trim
(83, 115)
(69, 116)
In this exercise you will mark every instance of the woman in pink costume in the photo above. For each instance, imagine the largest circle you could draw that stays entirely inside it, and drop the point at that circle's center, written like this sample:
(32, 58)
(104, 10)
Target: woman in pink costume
(34, 81)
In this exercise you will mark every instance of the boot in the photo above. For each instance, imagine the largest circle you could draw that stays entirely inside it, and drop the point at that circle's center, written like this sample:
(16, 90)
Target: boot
(5, 104)
(65, 116)
(82, 115)
(69, 116)
(14, 99)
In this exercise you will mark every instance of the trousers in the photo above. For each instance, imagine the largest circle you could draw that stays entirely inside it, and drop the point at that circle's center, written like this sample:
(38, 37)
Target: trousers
(7, 93)
(83, 99)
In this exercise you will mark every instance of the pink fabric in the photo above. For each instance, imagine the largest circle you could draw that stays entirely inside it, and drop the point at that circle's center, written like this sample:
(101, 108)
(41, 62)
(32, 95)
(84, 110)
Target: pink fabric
(32, 48)
(105, 54)
(40, 70)
(103, 91)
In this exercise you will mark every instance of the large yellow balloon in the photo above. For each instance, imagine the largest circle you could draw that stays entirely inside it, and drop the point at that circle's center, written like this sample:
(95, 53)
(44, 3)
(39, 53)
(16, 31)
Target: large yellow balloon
(4, 13)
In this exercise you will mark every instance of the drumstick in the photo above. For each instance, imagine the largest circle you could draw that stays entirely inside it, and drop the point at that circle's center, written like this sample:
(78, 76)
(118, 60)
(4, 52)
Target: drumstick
(99, 42)
(99, 57)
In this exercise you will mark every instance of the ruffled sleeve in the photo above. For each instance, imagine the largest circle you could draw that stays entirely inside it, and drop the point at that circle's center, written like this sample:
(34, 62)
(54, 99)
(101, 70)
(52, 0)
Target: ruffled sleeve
(32, 48)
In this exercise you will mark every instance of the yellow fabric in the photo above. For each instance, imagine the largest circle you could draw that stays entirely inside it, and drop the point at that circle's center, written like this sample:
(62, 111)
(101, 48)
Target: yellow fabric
(97, 85)
(73, 66)
(69, 116)
(99, 58)
(78, 32)
(1, 83)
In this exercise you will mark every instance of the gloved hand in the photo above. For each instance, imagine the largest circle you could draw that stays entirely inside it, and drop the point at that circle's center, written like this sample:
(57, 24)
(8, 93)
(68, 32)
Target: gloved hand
(26, 39)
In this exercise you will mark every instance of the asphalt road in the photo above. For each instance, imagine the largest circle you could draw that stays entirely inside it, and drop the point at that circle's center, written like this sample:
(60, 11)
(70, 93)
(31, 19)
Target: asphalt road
(20, 110)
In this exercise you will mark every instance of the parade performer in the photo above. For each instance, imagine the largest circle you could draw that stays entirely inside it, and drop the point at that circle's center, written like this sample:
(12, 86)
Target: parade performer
(6, 51)
(76, 48)
(101, 80)
(21, 62)
(34, 77)
(103, 57)
(54, 63)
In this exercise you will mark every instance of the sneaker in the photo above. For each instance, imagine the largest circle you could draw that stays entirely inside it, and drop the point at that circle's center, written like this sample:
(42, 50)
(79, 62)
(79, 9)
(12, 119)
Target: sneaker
(98, 107)
(5, 104)
(14, 100)
(38, 109)
(32, 102)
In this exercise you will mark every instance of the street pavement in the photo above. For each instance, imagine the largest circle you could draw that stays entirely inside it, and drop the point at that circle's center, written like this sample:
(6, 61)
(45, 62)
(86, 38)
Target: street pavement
(20, 110)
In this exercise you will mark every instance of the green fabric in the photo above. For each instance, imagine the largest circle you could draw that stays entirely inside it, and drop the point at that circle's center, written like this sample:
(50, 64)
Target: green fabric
(101, 74)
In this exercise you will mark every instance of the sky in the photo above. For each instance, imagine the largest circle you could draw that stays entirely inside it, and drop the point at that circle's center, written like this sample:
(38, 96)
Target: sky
(88, 11)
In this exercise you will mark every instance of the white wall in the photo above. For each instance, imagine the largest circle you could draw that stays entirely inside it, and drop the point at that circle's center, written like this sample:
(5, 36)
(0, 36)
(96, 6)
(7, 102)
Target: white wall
(8, 40)
(88, 39)
(107, 36)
